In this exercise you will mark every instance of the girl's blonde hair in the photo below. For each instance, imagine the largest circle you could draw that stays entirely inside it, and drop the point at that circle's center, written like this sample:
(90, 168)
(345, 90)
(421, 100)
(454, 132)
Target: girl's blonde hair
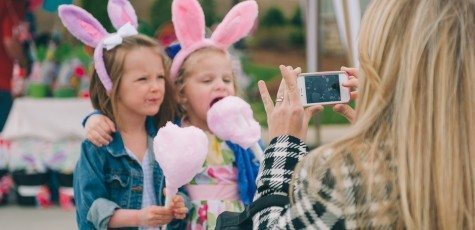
(184, 71)
(415, 126)
(114, 62)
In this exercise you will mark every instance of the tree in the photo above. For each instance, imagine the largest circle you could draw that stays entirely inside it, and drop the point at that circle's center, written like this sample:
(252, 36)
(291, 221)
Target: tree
(273, 17)
(297, 17)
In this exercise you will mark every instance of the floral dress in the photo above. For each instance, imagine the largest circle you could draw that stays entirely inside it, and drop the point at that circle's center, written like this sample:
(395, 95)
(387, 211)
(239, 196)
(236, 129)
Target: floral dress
(218, 170)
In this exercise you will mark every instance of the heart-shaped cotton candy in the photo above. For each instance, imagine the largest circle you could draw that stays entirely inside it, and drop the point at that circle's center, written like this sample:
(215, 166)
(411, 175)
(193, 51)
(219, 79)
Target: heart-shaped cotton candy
(231, 119)
(181, 153)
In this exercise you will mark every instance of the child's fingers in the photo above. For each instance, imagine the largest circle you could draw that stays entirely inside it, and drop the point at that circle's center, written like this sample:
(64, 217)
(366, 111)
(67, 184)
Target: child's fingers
(181, 210)
(110, 124)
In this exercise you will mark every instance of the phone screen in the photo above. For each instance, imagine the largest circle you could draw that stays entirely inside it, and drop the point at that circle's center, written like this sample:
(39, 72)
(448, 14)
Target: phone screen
(322, 88)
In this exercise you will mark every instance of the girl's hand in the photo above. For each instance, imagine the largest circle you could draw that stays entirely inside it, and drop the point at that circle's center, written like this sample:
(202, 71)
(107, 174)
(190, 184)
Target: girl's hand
(99, 129)
(287, 115)
(352, 83)
(153, 216)
(178, 207)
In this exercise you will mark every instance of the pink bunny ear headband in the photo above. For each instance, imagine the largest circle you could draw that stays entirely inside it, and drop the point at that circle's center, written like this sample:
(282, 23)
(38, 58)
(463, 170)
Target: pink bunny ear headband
(87, 29)
(189, 22)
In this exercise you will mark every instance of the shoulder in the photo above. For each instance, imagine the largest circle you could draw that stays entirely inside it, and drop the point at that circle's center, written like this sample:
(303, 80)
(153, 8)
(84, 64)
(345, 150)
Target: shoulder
(90, 151)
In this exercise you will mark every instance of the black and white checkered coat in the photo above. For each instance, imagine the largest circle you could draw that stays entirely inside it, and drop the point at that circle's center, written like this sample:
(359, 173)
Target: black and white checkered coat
(322, 207)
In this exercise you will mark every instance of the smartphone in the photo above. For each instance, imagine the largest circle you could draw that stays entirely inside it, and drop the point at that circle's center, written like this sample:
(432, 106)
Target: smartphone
(323, 88)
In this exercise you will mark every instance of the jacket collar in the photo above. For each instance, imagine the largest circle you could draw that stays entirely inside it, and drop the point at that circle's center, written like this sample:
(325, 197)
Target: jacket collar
(116, 147)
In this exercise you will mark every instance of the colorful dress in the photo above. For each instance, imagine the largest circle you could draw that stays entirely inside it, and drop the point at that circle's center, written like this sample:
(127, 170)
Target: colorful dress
(217, 186)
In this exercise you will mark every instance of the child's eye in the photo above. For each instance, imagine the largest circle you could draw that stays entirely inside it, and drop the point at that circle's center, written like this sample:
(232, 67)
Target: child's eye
(160, 77)
(142, 79)
(228, 79)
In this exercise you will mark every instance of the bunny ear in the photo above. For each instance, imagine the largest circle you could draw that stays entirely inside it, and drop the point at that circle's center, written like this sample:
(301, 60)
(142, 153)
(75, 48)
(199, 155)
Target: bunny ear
(82, 25)
(236, 25)
(121, 12)
(189, 21)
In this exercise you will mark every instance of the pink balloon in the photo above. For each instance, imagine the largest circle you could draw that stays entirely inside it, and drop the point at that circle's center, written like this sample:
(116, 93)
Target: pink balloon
(231, 119)
(181, 153)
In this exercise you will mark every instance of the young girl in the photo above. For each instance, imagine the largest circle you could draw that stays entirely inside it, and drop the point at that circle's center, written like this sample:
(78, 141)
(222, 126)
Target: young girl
(119, 185)
(203, 75)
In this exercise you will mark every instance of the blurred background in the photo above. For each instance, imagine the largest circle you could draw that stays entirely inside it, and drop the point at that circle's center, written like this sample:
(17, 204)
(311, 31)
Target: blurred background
(40, 142)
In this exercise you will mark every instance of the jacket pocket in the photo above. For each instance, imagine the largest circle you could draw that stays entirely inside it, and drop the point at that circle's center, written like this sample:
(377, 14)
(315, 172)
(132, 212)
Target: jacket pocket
(119, 188)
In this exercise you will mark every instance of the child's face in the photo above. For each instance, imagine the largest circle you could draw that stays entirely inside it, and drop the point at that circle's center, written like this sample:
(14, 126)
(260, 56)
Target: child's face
(142, 87)
(209, 79)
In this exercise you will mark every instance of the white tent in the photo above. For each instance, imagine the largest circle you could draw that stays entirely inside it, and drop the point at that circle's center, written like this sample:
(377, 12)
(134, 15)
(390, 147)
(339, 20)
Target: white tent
(348, 17)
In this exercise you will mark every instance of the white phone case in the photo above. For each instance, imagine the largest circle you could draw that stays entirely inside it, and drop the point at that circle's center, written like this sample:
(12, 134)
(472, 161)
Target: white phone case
(344, 91)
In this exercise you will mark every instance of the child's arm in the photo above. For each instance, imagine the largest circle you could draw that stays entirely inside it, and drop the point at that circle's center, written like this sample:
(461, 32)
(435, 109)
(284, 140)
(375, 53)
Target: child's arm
(151, 216)
(90, 193)
(98, 128)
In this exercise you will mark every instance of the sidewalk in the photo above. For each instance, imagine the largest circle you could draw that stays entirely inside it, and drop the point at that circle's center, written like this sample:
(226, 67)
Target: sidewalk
(26, 218)
(15, 217)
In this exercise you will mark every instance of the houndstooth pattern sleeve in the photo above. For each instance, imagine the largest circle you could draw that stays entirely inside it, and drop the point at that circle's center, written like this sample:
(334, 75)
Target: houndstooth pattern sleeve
(307, 211)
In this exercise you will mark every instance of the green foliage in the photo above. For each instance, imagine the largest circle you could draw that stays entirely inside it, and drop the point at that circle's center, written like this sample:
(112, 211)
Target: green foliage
(297, 37)
(161, 13)
(209, 11)
(145, 28)
(98, 8)
(273, 17)
(62, 52)
(296, 19)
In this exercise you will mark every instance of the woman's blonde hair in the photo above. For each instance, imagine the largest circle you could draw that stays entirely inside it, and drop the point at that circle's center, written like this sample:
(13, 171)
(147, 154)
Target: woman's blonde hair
(114, 61)
(415, 126)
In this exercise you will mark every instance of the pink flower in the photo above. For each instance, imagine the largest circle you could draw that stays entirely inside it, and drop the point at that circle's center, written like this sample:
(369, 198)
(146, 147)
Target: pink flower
(202, 213)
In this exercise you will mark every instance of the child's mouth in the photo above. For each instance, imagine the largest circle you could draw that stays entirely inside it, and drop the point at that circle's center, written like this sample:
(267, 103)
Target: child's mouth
(215, 100)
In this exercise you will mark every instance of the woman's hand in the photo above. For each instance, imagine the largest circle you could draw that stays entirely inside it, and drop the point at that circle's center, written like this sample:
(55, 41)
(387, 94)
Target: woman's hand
(99, 129)
(352, 83)
(287, 115)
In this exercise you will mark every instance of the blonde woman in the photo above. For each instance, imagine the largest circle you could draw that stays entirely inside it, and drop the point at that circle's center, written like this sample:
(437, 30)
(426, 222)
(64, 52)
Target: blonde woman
(409, 159)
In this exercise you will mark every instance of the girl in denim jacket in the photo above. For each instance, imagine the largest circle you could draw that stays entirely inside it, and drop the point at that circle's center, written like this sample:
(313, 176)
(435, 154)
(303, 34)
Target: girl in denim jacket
(121, 184)
(202, 74)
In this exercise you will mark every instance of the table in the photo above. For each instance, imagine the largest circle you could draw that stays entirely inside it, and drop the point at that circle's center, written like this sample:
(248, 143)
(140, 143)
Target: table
(44, 133)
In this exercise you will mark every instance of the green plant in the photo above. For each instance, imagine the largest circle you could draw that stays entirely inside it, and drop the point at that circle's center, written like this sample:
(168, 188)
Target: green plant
(209, 11)
(160, 13)
(145, 28)
(297, 37)
(296, 19)
(273, 17)
(98, 8)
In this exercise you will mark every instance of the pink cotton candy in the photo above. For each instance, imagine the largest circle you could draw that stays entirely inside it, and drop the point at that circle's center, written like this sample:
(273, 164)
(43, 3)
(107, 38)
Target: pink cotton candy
(231, 120)
(181, 153)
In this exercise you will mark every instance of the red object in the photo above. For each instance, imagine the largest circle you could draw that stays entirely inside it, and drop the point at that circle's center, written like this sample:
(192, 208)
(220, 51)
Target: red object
(44, 197)
(66, 201)
(79, 71)
(7, 23)
(166, 34)
(34, 4)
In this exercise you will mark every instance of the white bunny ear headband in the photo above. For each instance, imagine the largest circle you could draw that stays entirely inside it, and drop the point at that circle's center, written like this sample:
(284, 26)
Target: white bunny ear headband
(189, 22)
(87, 29)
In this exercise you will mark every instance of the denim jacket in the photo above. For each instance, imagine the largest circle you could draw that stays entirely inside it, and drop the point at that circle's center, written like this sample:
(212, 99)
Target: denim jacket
(107, 178)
